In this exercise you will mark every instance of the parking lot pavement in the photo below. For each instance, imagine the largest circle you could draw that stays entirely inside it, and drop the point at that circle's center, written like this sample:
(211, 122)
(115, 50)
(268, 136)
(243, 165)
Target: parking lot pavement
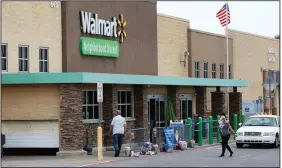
(60, 161)
(206, 157)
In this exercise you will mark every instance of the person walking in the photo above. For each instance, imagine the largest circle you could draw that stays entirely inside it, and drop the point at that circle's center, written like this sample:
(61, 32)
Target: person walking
(118, 129)
(225, 134)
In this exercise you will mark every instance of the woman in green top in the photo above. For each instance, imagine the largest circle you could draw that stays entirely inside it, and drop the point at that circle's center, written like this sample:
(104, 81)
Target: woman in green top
(225, 135)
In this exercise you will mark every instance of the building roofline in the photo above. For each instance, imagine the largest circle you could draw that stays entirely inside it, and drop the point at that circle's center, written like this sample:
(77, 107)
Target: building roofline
(208, 33)
(173, 17)
(85, 77)
(252, 34)
(150, 1)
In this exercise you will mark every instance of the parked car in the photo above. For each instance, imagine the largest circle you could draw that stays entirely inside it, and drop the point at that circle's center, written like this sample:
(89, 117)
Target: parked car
(259, 129)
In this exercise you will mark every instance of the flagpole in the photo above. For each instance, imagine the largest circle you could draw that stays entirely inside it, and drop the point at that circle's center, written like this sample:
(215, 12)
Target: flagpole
(227, 59)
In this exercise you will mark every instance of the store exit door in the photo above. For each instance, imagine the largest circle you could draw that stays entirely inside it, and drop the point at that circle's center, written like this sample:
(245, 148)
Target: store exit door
(186, 106)
(156, 111)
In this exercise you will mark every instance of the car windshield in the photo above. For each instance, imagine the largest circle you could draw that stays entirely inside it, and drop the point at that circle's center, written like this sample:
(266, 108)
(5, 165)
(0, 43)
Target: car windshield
(261, 121)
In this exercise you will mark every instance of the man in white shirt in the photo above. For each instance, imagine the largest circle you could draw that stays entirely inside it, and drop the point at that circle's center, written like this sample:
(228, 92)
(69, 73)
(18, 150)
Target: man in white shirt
(118, 129)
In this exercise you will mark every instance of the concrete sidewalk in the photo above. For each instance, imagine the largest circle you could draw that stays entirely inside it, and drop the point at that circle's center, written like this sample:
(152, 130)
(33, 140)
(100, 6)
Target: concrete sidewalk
(57, 161)
(71, 161)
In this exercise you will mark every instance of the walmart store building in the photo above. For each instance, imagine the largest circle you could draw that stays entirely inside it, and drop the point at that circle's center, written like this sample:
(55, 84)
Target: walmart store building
(52, 65)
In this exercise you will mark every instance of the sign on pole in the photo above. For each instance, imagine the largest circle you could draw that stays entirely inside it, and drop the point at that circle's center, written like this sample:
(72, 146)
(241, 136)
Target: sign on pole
(99, 92)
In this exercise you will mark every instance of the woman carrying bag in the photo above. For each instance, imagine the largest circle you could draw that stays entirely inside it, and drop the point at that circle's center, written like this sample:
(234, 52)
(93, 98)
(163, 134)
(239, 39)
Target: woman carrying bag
(225, 134)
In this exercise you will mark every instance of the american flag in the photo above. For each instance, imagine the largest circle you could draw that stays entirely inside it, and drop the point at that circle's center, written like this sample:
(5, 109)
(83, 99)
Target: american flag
(221, 15)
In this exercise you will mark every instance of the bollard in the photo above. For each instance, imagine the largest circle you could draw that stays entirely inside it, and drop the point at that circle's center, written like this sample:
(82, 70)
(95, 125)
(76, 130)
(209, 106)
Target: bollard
(210, 130)
(200, 131)
(218, 137)
(235, 127)
(235, 123)
(243, 119)
(189, 122)
(100, 143)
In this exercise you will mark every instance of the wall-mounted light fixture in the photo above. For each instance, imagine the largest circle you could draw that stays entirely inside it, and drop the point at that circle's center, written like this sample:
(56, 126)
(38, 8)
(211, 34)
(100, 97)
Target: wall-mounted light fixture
(54, 4)
(185, 61)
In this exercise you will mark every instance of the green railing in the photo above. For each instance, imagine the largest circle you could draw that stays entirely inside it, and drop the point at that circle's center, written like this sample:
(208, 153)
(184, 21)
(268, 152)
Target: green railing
(213, 129)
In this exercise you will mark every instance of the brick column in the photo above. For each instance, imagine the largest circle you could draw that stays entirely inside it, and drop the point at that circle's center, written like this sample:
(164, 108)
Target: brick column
(235, 105)
(274, 100)
(140, 107)
(201, 100)
(173, 92)
(72, 132)
(218, 103)
(108, 107)
(265, 101)
(141, 112)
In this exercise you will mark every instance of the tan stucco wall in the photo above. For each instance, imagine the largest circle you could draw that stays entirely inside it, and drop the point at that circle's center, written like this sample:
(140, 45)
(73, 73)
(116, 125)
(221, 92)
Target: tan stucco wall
(210, 48)
(156, 90)
(35, 24)
(172, 43)
(30, 102)
(209, 90)
(249, 58)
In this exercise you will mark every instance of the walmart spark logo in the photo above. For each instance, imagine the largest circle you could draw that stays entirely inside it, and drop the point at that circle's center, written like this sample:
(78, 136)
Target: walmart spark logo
(121, 32)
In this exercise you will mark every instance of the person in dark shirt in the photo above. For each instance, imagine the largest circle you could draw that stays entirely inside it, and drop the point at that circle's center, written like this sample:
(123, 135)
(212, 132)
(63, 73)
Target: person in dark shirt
(225, 135)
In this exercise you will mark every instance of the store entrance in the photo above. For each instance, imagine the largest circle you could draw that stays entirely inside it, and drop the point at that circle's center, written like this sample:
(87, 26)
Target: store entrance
(156, 111)
(186, 106)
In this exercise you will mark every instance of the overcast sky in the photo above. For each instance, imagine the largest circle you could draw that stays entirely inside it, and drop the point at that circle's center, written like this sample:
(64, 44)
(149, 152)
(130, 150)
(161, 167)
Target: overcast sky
(259, 17)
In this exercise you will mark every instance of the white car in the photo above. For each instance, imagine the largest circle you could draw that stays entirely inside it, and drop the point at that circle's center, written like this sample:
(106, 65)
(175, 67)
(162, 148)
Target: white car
(259, 129)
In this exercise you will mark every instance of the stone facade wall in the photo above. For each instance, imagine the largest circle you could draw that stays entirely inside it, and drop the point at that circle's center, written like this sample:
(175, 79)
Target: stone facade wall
(90, 133)
(174, 92)
(75, 134)
(274, 111)
(141, 107)
(130, 124)
(218, 103)
(201, 100)
(207, 115)
(71, 126)
(141, 112)
(235, 105)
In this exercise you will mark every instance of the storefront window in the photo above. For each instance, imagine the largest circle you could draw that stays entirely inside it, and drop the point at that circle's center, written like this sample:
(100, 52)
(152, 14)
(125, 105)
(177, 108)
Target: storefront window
(125, 103)
(229, 72)
(90, 105)
(221, 71)
(4, 57)
(214, 70)
(206, 75)
(197, 69)
(23, 58)
(43, 60)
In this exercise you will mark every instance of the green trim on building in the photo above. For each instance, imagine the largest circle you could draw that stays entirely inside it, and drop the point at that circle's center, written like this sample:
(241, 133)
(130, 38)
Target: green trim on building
(83, 77)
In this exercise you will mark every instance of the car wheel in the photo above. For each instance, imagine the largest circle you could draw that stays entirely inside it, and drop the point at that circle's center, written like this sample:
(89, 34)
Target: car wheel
(239, 145)
(276, 142)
